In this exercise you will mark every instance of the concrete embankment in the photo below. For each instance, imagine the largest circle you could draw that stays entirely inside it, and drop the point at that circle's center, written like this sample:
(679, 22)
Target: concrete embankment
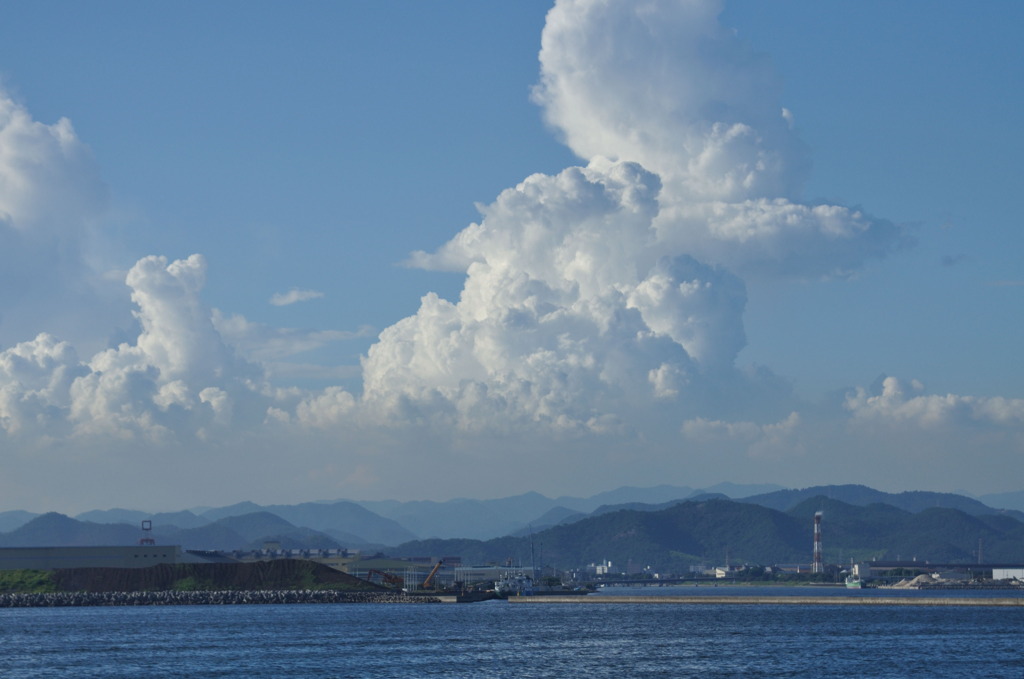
(198, 598)
(773, 600)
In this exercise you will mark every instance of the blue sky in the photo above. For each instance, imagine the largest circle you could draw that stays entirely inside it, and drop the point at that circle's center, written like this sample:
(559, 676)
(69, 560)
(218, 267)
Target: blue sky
(681, 310)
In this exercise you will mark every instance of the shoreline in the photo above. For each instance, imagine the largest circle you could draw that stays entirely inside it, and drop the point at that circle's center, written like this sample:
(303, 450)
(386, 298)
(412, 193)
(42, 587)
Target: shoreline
(264, 597)
(775, 600)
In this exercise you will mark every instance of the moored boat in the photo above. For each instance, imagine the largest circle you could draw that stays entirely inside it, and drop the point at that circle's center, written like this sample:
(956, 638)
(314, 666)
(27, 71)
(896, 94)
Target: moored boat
(514, 584)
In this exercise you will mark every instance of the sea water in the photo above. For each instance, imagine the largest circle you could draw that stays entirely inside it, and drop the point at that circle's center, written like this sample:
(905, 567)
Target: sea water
(499, 639)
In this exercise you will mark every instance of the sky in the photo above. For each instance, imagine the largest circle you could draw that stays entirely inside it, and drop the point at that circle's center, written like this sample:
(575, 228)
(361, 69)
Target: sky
(285, 252)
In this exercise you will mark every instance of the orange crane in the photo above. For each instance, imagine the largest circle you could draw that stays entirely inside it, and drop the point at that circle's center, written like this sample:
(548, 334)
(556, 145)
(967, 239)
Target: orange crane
(393, 580)
(430, 578)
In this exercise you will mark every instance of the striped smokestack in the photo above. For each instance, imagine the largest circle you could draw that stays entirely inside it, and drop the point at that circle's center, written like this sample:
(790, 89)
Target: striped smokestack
(816, 566)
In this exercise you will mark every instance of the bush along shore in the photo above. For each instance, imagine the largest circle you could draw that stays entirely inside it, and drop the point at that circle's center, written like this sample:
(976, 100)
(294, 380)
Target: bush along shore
(205, 598)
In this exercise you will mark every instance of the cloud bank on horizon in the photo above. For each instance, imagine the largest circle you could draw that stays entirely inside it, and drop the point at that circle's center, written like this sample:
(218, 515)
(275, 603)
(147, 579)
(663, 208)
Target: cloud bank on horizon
(599, 324)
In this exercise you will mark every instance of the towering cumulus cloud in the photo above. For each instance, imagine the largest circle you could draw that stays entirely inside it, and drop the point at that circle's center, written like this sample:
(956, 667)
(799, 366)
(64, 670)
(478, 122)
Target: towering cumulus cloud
(176, 381)
(50, 195)
(47, 179)
(572, 312)
(179, 368)
(663, 84)
(621, 283)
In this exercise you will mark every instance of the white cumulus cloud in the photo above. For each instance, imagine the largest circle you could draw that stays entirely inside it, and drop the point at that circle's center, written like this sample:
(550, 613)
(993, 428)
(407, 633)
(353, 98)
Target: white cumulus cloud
(662, 83)
(899, 403)
(571, 312)
(176, 378)
(294, 295)
(35, 381)
(38, 164)
(51, 198)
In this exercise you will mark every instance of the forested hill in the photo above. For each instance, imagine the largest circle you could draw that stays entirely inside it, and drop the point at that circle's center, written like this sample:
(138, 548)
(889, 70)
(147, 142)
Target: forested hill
(911, 501)
(716, 530)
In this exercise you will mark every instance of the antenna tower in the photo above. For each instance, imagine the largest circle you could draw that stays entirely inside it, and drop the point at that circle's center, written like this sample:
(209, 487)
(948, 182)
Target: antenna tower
(816, 566)
(147, 533)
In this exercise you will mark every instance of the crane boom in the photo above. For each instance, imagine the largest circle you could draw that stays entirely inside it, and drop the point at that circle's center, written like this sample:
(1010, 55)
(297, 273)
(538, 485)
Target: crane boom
(433, 572)
(393, 580)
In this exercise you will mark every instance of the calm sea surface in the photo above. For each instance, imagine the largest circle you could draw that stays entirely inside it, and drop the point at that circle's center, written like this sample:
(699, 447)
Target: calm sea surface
(498, 639)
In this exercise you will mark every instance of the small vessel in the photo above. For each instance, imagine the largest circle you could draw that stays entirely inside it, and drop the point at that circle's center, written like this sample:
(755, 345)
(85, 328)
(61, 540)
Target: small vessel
(854, 582)
(475, 595)
(514, 584)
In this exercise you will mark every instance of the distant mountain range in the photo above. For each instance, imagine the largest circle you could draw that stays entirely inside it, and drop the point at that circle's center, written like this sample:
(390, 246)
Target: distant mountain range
(718, 531)
(388, 523)
(664, 525)
(484, 519)
(911, 501)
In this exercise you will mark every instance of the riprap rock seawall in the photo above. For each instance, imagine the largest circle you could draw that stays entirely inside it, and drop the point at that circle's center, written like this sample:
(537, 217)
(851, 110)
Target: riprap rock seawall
(200, 598)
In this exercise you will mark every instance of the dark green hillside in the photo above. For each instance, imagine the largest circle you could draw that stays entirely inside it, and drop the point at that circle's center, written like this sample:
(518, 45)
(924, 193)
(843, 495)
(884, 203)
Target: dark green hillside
(947, 535)
(911, 501)
(1003, 523)
(920, 500)
(635, 506)
(692, 532)
(671, 539)
(789, 499)
(938, 535)
(848, 531)
(746, 532)
(619, 537)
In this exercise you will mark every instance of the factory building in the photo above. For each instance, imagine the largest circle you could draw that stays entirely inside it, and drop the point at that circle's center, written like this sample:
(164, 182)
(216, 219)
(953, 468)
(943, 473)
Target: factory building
(1008, 573)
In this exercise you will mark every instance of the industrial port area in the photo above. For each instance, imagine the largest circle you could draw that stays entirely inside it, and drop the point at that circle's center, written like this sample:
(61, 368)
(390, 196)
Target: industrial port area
(119, 575)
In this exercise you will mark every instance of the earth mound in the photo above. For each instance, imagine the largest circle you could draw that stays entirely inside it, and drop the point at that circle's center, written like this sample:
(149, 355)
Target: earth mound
(282, 574)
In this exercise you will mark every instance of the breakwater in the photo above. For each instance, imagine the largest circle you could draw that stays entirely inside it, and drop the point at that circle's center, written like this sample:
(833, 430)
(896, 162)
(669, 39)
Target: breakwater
(204, 598)
(773, 600)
